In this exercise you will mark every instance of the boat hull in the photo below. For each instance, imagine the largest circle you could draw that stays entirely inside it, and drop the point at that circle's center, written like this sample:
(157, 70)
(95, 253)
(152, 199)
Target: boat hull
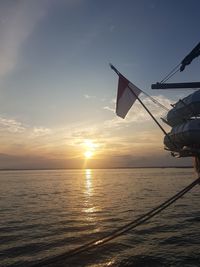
(184, 109)
(185, 134)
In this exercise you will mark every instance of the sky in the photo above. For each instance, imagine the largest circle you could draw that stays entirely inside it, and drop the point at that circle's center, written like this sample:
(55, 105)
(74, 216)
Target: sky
(58, 94)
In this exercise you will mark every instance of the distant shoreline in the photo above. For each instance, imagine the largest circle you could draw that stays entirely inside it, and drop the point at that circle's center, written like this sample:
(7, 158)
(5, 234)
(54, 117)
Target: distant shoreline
(110, 168)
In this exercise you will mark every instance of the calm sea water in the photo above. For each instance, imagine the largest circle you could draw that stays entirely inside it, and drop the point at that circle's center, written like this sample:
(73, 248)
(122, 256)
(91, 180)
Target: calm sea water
(46, 213)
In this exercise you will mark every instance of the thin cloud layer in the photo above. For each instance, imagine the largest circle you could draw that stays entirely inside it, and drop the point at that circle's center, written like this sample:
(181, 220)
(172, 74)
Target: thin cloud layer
(11, 125)
(17, 23)
(138, 114)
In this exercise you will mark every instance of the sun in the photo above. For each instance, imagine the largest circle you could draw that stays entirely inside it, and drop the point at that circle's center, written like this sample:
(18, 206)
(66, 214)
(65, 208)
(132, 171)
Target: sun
(90, 148)
(89, 144)
(88, 154)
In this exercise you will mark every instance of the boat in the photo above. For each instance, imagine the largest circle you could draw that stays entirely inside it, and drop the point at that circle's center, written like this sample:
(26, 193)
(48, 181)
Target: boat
(184, 109)
(184, 138)
(184, 118)
(185, 134)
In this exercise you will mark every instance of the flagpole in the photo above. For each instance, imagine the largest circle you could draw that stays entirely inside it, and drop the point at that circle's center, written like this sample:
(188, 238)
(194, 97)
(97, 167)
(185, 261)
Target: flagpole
(162, 129)
(148, 111)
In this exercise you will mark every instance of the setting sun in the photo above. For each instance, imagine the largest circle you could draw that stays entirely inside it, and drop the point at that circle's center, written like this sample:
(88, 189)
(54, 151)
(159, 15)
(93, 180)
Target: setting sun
(89, 144)
(90, 148)
(88, 154)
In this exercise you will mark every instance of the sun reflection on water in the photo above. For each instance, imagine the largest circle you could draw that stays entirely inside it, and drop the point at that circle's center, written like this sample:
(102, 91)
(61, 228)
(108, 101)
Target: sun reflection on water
(88, 182)
(89, 208)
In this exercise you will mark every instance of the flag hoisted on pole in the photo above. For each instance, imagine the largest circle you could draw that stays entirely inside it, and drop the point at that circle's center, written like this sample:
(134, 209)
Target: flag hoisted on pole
(127, 94)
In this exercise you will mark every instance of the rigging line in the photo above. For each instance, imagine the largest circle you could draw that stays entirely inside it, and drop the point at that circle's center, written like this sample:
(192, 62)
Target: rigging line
(155, 101)
(151, 115)
(164, 206)
(142, 219)
(154, 119)
(171, 75)
(174, 69)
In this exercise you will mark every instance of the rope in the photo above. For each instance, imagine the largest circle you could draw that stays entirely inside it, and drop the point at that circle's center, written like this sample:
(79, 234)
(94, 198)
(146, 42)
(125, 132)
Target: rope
(122, 230)
(171, 73)
(155, 101)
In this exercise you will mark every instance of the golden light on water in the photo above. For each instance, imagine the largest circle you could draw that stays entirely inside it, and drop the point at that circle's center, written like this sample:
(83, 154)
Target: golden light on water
(88, 174)
(88, 181)
(90, 208)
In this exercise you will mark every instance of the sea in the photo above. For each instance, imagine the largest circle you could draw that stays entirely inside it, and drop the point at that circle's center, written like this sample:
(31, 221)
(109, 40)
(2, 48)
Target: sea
(47, 213)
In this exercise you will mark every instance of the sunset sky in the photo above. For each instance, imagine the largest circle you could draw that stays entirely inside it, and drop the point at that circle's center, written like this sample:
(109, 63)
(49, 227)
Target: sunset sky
(57, 98)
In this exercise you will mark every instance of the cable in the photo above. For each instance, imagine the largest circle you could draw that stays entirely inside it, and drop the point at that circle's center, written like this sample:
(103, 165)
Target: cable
(122, 230)
(171, 73)
(155, 101)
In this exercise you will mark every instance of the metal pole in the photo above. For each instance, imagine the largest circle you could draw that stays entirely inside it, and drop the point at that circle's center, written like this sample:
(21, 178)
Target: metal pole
(162, 129)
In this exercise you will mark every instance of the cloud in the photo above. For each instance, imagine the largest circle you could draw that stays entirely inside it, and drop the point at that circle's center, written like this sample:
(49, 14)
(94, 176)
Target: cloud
(41, 147)
(108, 108)
(11, 125)
(138, 114)
(89, 96)
(112, 107)
(17, 23)
(14, 126)
(112, 131)
(117, 140)
(40, 131)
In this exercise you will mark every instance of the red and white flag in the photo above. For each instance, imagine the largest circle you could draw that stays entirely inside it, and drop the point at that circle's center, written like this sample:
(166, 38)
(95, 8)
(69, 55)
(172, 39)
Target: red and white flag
(126, 96)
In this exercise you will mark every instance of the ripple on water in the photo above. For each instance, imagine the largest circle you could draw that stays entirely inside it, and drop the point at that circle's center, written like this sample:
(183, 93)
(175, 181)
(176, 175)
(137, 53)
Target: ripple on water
(44, 214)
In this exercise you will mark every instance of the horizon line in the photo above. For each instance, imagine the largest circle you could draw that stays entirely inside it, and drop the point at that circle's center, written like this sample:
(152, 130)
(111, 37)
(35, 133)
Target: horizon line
(100, 168)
